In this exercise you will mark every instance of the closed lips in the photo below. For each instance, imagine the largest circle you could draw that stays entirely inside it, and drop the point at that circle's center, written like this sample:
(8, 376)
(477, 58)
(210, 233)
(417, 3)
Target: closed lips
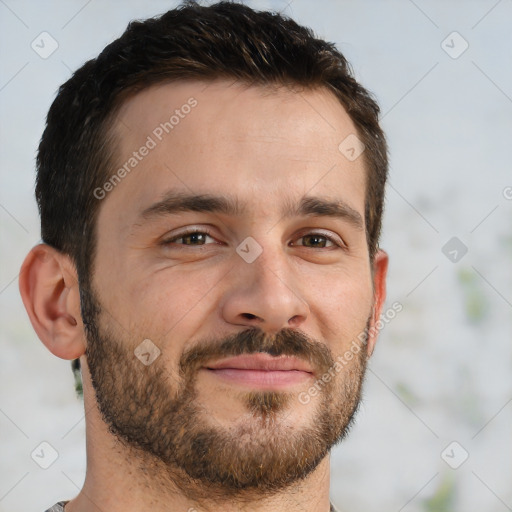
(262, 361)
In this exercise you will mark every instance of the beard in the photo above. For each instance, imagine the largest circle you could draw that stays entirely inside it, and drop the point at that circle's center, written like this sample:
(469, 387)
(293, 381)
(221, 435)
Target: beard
(157, 416)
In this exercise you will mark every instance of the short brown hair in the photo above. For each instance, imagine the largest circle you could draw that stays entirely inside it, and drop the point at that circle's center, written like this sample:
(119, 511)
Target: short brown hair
(224, 40)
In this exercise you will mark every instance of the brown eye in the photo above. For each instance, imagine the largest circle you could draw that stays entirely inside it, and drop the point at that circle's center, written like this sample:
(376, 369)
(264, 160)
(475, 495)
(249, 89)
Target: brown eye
(318, 241)
(190, 238)
(194, 239)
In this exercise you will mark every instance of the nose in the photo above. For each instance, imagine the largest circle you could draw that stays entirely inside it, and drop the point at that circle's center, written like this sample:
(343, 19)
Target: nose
(264, 294)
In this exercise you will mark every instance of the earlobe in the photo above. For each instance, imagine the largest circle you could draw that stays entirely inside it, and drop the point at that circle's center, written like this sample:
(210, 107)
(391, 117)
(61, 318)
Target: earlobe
(380, 268)
(49, 290)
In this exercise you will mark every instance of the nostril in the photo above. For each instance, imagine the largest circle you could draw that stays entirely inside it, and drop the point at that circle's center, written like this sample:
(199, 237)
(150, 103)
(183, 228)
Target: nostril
(249, 316)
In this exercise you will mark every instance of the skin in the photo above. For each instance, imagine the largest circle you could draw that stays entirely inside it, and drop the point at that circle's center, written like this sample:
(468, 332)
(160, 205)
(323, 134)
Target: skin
(267, 148)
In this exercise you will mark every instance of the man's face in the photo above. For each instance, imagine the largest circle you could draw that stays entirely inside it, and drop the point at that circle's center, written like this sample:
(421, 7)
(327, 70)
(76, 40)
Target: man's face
(220, 308)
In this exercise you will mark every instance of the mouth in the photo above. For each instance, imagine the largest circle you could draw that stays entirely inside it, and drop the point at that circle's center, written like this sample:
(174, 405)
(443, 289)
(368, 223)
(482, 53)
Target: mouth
(261, 370)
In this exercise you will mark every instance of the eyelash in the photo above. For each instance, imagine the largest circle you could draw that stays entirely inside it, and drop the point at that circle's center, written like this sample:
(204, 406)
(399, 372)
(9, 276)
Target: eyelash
(169, 241)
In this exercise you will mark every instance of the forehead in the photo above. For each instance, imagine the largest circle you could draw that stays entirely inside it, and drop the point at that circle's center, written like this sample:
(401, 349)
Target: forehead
(263, 145)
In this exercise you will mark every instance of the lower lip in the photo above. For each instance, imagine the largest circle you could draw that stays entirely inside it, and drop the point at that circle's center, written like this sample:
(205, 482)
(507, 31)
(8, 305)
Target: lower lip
(262, 378)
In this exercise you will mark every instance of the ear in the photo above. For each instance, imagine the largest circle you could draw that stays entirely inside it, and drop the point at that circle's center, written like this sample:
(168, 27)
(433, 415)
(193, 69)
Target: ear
(49, 290)
(380, 269)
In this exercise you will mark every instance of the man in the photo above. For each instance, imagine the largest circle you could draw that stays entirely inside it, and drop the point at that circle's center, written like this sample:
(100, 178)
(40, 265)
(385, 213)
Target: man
(211, 190)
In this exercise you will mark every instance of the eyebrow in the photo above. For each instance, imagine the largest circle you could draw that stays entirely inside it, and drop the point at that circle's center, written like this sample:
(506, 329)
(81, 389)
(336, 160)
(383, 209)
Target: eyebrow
(175, 202)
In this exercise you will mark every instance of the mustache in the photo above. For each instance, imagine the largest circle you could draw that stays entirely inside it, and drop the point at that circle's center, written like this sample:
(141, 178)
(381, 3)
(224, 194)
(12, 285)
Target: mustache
(287, 341)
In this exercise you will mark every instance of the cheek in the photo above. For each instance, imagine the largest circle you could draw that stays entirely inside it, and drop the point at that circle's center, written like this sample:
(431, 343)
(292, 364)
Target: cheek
(172, 301)
(342, 306)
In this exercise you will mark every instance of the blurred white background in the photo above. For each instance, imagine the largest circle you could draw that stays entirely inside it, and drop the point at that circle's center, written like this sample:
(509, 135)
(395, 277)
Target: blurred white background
(442, 73)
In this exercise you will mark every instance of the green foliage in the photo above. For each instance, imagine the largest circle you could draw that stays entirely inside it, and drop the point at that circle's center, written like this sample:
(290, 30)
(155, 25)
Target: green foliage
(443, 500)
(475, 303)
(405, 393)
